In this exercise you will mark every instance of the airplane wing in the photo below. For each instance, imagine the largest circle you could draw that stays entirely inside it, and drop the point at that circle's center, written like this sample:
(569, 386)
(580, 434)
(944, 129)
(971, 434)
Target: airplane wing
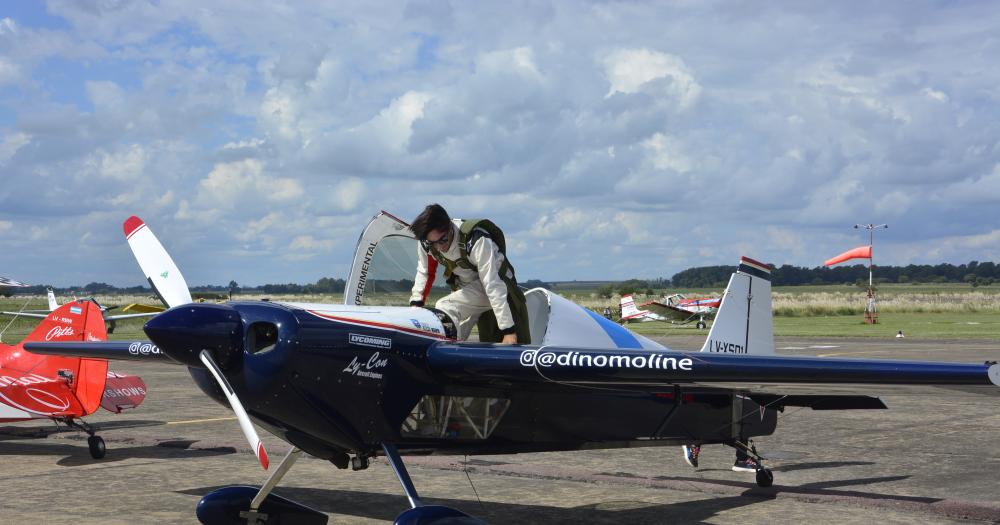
(667, 311)
(106, 318)
(749, 374)
(117, 350)
(143, 308)
(129, 316)
(27, 313)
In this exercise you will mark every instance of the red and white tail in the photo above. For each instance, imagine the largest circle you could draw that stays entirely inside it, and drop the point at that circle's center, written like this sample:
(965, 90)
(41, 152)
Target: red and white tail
(74, 321)
(743, 324)
(629, 310)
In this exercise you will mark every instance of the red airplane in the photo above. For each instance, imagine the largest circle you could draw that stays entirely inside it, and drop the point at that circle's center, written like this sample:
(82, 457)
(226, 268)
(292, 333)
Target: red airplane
(65, 389)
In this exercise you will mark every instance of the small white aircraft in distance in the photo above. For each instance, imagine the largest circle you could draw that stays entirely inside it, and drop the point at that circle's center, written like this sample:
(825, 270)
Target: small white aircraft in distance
(675, 309)
(53, 305)
(6, 282)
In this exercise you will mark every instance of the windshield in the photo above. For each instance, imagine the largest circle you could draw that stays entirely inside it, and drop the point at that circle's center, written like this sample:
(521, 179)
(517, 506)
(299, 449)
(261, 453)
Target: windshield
(391, 271)
(384, 266)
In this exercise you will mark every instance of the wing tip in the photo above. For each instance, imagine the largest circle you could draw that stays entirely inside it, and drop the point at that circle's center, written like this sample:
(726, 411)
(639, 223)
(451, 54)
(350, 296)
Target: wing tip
(993, 373)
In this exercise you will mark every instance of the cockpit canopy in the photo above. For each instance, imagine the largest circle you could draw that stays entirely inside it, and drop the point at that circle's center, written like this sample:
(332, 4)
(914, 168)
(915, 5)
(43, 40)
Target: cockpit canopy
(385, 263)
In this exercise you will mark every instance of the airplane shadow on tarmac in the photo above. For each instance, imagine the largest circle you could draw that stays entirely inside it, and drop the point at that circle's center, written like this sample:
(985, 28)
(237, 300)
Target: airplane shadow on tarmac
(819, 488)
(385, 507)
(75, 455)
(38, 431)
(74, 450)
(818, 464)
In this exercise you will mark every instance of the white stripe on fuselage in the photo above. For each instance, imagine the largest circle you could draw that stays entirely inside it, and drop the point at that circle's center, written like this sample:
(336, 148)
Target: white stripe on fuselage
(406, 319)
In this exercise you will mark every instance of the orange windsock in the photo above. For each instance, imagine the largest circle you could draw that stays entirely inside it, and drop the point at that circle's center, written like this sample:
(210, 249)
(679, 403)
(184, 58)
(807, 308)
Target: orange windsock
(861, 252)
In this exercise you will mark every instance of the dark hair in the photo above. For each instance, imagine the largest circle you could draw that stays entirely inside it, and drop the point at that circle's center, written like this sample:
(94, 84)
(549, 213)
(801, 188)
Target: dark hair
(432, 218)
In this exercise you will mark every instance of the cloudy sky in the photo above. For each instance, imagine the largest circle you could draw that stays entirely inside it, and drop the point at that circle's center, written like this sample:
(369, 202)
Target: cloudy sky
(608, 139)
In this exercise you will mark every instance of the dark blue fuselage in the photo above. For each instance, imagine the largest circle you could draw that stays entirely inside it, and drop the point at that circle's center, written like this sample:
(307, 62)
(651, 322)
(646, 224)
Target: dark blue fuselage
(328, 386)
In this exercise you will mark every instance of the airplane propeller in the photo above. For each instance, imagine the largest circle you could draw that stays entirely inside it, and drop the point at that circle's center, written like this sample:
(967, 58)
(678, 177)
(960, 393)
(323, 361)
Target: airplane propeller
(234, 401)
(168, 282)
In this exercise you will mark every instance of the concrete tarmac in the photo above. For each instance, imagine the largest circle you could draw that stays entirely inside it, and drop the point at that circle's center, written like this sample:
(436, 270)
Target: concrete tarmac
(928, 459)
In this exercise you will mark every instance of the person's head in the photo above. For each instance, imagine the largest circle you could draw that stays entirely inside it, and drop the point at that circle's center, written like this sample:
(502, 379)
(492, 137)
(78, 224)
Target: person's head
(433, 228)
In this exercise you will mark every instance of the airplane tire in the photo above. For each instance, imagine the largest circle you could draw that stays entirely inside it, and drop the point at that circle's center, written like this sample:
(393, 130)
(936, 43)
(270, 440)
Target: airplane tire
(765, 477)
(702, 325)
(97, 448)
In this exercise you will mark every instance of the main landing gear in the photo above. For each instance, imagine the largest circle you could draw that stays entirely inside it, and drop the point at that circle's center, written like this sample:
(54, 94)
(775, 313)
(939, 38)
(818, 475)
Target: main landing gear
(420, 514)
(765, 478)
(94, 442)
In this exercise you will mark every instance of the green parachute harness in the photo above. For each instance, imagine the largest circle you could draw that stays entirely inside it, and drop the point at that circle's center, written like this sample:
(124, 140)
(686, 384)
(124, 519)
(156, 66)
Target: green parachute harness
(468, 234)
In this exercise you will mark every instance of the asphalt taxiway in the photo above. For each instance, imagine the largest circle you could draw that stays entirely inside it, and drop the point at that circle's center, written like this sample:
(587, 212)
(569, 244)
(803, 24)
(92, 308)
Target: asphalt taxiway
(929, 459)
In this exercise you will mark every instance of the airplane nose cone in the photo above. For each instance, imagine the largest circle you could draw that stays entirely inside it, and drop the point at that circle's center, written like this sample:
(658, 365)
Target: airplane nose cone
(184, 331)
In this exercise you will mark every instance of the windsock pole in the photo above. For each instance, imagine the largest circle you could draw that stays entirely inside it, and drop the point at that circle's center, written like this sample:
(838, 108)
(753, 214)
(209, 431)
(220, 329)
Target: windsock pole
(871, 314)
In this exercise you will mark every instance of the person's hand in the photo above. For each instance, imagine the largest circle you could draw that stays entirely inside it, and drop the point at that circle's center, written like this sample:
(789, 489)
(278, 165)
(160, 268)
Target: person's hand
(509, 339)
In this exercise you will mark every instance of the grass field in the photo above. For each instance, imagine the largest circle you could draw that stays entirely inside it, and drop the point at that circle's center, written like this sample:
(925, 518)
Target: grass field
(913, 325)
(938, 311)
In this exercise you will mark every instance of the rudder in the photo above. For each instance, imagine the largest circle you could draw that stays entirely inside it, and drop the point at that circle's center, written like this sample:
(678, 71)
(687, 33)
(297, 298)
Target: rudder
(74, 321)
(743, 325)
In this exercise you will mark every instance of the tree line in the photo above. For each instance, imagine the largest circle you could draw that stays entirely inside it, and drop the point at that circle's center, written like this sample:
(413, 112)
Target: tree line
(974, 273)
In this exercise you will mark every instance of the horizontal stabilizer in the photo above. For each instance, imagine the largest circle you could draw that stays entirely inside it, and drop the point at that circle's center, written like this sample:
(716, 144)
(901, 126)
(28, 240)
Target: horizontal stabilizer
(821, 402)
(122, 392)
(117, 350)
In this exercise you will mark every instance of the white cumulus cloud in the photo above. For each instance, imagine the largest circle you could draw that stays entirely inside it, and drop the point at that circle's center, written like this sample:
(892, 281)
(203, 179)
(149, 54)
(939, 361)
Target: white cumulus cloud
(628, 70)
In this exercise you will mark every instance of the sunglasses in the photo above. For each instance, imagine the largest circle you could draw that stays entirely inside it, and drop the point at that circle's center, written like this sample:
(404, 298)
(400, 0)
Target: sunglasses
(443, 241)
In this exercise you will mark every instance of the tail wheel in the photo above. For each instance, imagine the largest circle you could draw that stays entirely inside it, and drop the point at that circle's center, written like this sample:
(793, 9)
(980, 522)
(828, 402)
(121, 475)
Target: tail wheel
(97, 448)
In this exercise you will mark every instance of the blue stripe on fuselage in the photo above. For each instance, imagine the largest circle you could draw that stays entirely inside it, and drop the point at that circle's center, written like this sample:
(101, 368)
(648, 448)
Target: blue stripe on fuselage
(618, 334)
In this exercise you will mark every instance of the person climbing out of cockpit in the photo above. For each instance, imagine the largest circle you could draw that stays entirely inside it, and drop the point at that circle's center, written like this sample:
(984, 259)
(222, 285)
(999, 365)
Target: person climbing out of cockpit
(481, 277)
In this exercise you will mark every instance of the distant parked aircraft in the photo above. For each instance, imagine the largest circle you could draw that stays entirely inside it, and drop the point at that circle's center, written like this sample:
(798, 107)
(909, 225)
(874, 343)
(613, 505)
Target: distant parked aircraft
(675, 308)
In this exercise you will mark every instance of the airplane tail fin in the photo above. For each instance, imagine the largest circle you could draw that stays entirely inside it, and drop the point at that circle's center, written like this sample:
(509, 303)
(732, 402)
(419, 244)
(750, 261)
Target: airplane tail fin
(73, 321)
(629, 310)
(52, 301)
(743, 323)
